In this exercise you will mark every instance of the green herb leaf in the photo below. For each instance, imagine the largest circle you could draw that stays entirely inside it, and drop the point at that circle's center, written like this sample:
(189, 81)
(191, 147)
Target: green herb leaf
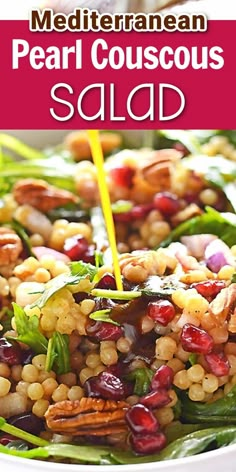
(56, 284)
(28, 330)
(6, 317)
(142, 379)
(58, 354)
(222, 411)
(20, 230)
(233, 280)
(222, 225)
(83, 269)
(193, 359)
(103, 315)
(163, 287)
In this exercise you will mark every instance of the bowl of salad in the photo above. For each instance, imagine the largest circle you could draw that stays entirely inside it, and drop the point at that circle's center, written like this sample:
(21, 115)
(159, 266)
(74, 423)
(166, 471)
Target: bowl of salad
(138, 378)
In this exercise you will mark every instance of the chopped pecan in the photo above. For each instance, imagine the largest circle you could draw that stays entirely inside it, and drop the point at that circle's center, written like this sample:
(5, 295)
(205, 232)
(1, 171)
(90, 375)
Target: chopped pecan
(78, 144)
(41, 195)
(10, 246)
(156, 167)
(138, 265)
(189, 212)
(224, 303)
(88, 416)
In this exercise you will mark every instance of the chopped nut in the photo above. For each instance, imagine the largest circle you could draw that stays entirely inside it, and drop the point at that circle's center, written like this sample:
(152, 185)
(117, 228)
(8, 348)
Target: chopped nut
(10, 246)
(138, 265)
(41, 195)
(156, 167)
(224, 302)
(189, 212)
(78, 144)
(88, 416)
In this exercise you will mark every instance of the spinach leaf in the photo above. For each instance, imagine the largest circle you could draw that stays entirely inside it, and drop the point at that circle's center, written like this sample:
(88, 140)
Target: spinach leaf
(103, 315)
(142, 379)
(163, 287)
(222, 225)
(218, 171)
(222, 411)
(28, 330)
(58, 354)
(186, 137)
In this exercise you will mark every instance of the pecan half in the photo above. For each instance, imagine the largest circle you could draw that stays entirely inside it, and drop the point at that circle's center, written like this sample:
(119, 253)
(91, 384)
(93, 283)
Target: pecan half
(224, 303)
(88, 416)
(138, 265)
(10, 246)
(41, 195)
(156, 167)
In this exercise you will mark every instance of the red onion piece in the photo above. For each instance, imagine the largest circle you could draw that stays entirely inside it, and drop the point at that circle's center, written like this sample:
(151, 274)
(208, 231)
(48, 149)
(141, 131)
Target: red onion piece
(197, 243)
(40, 251)
(217, 255)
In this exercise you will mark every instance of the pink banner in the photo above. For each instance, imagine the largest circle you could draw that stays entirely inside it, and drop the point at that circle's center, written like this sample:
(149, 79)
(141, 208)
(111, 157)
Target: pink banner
(68, 80)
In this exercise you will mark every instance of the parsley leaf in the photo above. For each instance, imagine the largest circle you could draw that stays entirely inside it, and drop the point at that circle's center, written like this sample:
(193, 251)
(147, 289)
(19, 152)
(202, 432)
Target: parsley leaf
(58, 354)
(28, 330)
(79, 270)
(142, 379)
(103, 315)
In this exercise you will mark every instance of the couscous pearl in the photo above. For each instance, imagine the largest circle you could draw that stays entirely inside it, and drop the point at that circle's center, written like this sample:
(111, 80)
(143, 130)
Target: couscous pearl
(5, 370)
(5, 386)
(75, 393)
(39, 361)
(35, 391)
(210, 383)
(40, 407)
(60, 393)
(30, 373)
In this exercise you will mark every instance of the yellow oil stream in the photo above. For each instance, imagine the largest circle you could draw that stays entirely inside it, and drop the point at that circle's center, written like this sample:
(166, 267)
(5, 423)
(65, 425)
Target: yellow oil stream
(98, 159)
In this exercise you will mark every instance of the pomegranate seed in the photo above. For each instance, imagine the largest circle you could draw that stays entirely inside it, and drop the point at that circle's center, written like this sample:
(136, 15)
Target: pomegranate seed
(106, 386)
(89, 255)
(122, 217)
(210, 288)
(162, 378)
(218, 364)
(122, 175)
(11, 354)
(197, 340)
(161, 311)
(141, 211)
(107, 282)
(6, 439)
(167, 203)
(107, 332)
(75, 247)
(156, 399)
(148, 443)
(141, 420)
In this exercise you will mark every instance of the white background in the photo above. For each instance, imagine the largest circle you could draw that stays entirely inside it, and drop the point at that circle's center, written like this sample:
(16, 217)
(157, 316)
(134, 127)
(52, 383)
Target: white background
(215, 9)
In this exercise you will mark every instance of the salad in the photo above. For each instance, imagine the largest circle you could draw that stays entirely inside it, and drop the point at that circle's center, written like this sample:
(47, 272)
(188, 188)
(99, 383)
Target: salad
(94, 375)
